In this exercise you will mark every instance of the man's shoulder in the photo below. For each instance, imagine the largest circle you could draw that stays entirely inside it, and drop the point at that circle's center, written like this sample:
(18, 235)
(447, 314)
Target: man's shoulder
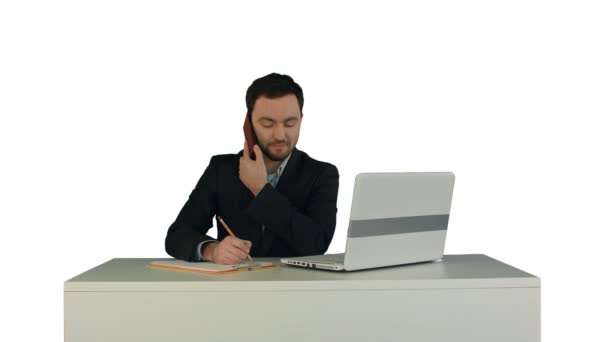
(225, 158)
(321, 166)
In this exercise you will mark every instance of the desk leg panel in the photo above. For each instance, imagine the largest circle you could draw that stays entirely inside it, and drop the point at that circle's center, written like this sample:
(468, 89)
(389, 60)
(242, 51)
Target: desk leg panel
(500, 315)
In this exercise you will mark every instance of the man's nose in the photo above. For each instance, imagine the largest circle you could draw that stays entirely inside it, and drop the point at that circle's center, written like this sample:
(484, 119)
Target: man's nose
(279, 133)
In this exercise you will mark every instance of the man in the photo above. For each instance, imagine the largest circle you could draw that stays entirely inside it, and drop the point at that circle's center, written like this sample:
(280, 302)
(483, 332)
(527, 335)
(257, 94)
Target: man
(281, 204)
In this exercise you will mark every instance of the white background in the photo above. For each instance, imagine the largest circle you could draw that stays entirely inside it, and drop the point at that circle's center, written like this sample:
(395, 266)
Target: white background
(111, 110)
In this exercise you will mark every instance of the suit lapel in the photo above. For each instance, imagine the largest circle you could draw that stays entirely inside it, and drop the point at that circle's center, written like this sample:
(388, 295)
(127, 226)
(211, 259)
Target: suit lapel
(289, 175)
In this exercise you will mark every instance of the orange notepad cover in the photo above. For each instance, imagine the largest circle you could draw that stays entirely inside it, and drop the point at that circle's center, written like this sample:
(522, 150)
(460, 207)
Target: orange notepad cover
(208, 267)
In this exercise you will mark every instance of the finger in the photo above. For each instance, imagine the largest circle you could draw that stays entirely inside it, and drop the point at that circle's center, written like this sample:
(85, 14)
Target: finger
(229, 239)
(226, 258)
(236, 242)
(246, 151)
(229, 260)
(258, 153)
(234, 260)
(228, 242)
(234, 254)
(238, 253)
(241, 246)
(248, 245)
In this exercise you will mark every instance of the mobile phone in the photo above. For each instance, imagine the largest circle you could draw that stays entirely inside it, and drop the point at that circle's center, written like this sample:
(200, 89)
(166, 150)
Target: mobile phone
(250, 137)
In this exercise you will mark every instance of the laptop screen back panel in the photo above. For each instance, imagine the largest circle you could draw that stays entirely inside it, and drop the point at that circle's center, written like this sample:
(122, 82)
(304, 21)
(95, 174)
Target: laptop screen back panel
(398, 218)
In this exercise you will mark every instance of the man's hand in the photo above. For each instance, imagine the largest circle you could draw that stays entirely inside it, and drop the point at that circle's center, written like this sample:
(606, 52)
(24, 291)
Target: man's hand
(253, 172)
(228, 252)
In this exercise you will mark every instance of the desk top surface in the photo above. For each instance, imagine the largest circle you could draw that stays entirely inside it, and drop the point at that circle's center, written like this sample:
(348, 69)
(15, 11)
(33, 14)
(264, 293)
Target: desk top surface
(454, 271)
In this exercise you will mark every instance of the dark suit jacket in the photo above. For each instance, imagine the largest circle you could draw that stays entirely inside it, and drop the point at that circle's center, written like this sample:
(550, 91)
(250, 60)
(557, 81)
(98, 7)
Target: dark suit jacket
(299, 215)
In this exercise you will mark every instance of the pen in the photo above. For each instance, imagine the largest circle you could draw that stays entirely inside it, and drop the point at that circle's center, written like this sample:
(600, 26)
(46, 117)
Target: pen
(232, 234)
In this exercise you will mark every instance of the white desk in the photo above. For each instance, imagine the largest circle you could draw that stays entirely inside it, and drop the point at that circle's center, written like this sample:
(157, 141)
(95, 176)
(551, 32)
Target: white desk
(463, 298)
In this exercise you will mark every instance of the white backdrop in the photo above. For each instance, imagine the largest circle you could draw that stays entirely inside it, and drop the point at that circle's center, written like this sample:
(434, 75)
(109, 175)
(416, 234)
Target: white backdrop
(110, 111)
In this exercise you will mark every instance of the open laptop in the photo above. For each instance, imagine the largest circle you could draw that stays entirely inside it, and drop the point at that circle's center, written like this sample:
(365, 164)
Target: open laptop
(395, 219)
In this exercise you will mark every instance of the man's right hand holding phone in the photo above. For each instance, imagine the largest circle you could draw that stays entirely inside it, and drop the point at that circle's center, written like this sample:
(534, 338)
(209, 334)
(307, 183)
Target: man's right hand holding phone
(229, 251)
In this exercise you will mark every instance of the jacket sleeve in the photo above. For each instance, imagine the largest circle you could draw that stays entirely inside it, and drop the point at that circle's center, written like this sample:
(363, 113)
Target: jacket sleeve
(308, 231)
(195, 218)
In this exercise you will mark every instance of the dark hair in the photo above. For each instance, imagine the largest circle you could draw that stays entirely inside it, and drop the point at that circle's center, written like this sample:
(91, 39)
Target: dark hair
(273, 86)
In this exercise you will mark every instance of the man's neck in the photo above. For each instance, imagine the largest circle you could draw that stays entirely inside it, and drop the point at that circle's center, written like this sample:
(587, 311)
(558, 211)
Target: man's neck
(271, 165)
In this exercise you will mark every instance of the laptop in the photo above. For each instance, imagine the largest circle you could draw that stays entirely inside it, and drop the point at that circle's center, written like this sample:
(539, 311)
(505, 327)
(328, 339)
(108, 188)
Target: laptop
(395, 219)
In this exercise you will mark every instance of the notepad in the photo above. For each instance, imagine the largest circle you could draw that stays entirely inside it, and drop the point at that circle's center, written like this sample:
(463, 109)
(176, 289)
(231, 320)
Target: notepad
(209, 267)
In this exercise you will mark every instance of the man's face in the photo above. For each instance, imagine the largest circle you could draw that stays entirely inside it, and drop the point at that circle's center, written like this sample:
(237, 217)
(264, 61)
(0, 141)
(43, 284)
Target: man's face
(277, 125)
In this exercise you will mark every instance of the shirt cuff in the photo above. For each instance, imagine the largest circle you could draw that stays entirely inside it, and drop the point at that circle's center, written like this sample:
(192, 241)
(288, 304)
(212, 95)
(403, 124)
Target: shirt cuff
(199, 248)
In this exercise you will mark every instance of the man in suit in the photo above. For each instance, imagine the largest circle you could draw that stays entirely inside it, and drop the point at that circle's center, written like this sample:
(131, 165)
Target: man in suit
(281, 204)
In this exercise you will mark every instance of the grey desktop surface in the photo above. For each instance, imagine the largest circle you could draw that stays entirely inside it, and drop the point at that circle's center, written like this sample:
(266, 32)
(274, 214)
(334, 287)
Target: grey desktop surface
(455, 271)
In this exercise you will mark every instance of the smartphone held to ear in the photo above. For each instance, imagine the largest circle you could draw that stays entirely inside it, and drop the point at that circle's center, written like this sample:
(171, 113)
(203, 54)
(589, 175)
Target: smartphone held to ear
(249, 136)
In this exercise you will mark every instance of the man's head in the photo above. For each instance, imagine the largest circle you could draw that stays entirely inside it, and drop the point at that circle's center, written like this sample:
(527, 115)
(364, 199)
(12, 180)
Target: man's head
(274, 104)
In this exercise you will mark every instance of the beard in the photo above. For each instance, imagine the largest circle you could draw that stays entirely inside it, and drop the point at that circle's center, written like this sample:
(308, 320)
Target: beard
(275, 156)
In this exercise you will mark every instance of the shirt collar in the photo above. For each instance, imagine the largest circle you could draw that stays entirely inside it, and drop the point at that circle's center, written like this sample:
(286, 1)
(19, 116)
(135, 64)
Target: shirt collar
(281, 167)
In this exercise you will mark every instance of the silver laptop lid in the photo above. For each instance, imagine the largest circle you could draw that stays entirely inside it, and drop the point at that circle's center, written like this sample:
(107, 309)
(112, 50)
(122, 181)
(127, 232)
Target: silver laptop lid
(398, 218)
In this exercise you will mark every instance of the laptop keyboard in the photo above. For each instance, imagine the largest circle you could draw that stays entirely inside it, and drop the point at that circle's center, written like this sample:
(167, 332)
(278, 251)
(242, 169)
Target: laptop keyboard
(327, 258)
